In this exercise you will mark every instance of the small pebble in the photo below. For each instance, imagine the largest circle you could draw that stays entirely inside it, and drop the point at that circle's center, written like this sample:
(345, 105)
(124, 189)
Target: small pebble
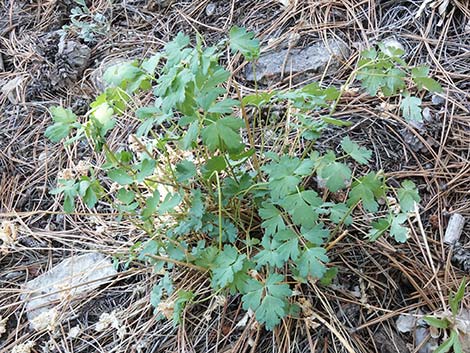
(438, 100)
(210, 9)
(391, 42)
(427, 114)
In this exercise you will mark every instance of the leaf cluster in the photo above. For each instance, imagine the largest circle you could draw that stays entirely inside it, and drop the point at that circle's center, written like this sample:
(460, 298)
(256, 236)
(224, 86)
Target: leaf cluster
(250, 218)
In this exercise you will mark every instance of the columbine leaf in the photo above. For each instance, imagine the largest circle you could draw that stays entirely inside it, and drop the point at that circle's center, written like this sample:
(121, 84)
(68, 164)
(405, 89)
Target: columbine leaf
(367, 189)
(223, 134)
(399, 232)
(241, 40)
(284, 175)
(339, 212)
(408, 195)
(336, 175)
(120, 176)
(227, 264)
(224, 107)
(289, 244)
(394, 82)
(63, 118)
(316, 234)
(302, 207)
(268, 300)
(421, 77)
(272, 216)
(311, 262)
(378, 229)
(411, 108)
(270, 254)
(185, 170)
(358, 153)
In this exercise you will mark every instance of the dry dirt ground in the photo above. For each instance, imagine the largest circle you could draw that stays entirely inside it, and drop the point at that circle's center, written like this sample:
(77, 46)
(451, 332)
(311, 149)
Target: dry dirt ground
(376, 282)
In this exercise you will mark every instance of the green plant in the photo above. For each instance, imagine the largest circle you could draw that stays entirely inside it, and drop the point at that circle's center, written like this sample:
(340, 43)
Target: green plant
(213, 190)
(450, 322)
(86, 24)
(384, 70)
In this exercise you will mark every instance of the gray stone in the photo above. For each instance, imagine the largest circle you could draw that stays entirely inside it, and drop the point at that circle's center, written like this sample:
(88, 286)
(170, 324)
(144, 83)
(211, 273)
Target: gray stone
(303, 61)
(65, 282)
(210, 9)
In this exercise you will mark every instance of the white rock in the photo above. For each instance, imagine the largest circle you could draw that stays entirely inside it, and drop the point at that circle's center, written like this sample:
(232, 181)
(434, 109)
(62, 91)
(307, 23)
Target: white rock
(73, 277)
(392, 42)
(454, 228)
(406, 323)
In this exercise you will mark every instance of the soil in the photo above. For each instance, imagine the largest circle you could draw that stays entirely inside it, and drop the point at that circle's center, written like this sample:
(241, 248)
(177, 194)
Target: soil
(43, 63)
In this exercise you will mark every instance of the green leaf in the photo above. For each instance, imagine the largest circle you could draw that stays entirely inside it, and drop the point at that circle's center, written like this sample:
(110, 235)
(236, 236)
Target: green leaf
(394, 82)
(242, 41)
(399, 232)
(421, 77)
(64, 119)
(223, 134)
(122, 74)
(224, 107)
(336, 175)
(151, 204)
(146, 169)
(273, 221)
(372, 79)
(311, 263)
(184, 298)
(457, 345)
(408, 195)
(215, 164)
(447, 344)
(185, 170)
(289, 244)
(259, 99)
(339, 212)
(120, 176)
(149, 65)
(411, 108)
(164, 284)
(227, 264)
(455, 299)
(285, 175)
(367, 189)
(170, 202)
(359, 154)
(270, 255)
(378, 229)
(125, 196)
(329, 276)
(268, 300)
(70, 189)
(302, 207)
(316, 234)
(435, 322)
(190, 137)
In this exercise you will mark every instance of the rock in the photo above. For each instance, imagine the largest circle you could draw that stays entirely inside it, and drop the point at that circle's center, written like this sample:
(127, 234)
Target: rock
(437, 100)
(454, 228)
(210, 9)
(406, 323)
(304, 61)
(73, 277)
(98, 73)
(393, 43)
